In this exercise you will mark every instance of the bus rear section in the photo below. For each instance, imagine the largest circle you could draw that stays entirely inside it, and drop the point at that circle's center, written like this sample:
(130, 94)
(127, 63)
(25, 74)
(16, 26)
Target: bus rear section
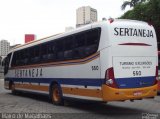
(132, 66)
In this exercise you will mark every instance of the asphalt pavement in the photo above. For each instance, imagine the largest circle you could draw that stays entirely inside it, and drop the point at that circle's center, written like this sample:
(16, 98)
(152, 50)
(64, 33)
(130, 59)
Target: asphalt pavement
(27, 103)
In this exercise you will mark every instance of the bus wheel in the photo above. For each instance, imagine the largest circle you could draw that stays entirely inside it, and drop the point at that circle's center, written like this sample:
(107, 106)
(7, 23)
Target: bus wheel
(13, 88)
(56, 95)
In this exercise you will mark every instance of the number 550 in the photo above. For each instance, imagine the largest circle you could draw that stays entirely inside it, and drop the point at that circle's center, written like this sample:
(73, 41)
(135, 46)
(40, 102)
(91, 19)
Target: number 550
(136, 73)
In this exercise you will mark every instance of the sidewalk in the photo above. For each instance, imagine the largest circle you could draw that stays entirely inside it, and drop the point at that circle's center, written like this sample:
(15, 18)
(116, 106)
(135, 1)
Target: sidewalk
(1, 76)
(2, 90)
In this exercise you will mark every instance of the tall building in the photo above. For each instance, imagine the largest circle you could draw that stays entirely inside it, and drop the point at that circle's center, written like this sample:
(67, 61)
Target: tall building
(69, 28)
(4, 47)
(85, 15)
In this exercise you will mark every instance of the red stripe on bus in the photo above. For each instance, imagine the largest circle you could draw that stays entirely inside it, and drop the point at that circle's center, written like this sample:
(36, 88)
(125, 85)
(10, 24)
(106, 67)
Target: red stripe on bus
(136, 44)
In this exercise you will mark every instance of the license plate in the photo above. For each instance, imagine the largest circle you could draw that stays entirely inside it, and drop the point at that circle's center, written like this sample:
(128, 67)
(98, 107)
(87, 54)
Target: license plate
(137, 93)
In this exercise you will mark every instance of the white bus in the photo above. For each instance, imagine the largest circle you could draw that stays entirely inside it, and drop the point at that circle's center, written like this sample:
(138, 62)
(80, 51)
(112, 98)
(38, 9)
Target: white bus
(112, 60)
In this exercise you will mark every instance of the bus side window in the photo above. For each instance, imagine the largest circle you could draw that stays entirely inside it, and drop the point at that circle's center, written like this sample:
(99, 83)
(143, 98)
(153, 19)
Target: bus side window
(26, 56)
(37, 54)
(6, 63)
(18, 58)
(68, 45)
(22, 54)
(79, 45)
(92, 42)
(59, 50)
(43, 52)
(51, 51)
(31, 50)
(14, 60)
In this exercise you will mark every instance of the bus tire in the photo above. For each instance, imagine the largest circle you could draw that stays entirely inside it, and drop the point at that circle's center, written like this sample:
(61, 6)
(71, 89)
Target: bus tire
(13, 88)
(56, 95)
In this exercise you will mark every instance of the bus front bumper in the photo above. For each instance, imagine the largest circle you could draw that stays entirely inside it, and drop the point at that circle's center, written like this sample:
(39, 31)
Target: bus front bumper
(114, 94)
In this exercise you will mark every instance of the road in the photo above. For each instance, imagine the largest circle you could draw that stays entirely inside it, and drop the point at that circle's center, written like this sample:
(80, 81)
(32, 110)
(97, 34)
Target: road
(32, 103)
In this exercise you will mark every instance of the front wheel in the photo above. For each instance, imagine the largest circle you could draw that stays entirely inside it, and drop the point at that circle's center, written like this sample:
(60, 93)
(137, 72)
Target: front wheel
(13, 88)
(56, 95)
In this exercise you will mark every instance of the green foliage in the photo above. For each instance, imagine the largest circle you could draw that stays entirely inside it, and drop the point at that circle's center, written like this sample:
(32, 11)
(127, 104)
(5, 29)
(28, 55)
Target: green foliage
(148, 11)
(131, 3)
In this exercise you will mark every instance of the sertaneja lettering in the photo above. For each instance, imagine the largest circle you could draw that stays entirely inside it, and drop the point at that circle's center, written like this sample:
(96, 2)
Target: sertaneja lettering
(31, 73)
(133, 32)
(37, 72)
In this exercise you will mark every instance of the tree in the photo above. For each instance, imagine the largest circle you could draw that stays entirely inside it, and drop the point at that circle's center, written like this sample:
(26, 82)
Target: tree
(148, 12)
(131, 3)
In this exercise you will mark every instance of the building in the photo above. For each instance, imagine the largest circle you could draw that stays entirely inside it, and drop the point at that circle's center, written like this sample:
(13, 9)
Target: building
(29, 37)
(4, 47)
(85, 15)
(1, 65)
(69, 28)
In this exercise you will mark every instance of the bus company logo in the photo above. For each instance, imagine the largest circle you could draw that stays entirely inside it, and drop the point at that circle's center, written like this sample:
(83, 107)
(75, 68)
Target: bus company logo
(133, 32)
(31, 73)
(149, 116)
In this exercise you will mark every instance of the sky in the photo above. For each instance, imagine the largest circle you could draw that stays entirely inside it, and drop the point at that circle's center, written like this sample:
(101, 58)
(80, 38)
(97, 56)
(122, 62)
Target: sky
(47, 17)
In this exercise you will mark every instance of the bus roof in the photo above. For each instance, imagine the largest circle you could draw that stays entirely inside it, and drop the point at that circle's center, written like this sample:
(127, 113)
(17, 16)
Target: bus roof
(86, 27)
